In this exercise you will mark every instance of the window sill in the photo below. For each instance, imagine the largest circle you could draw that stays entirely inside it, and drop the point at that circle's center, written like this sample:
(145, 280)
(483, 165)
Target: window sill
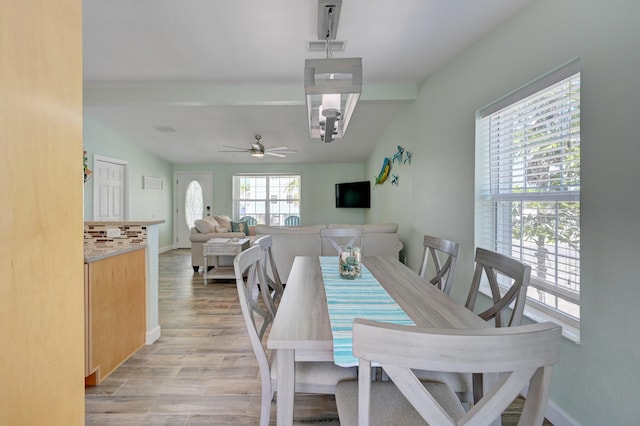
(569, 331)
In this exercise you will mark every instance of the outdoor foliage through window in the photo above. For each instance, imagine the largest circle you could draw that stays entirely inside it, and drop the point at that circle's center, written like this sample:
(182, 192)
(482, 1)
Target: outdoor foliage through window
(267, 199)
(528, 191)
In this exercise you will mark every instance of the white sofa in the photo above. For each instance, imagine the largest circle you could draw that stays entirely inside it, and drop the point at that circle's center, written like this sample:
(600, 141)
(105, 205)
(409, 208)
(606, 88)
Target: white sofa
(288, 242)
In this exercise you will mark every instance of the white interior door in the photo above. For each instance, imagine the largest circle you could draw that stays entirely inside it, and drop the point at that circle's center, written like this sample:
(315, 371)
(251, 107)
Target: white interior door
(109, 189)
(193, 200)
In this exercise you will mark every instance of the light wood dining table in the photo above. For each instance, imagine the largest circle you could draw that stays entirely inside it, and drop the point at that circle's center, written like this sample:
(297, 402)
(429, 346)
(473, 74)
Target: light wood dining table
(301, 330)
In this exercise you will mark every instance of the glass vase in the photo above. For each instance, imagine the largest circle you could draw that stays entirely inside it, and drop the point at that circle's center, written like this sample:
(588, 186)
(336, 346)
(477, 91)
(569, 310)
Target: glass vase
(349, 262)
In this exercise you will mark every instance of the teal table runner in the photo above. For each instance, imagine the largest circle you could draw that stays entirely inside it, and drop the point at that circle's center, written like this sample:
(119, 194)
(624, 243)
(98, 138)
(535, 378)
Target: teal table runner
(363, 297)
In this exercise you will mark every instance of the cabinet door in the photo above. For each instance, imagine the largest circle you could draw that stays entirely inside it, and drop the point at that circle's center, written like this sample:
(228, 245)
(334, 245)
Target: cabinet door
(117, 312)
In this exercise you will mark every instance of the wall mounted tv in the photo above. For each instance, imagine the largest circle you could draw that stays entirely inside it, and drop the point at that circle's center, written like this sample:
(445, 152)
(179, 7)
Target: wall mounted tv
(353, 194)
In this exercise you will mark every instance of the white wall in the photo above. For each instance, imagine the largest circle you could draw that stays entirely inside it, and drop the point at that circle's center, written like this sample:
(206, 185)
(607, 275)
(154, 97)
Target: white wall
(144, 204)
(317, 193)
(596, 381)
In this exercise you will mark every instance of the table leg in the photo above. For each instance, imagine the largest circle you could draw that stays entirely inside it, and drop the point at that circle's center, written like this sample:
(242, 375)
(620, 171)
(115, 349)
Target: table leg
(206, 267)
(286, 378)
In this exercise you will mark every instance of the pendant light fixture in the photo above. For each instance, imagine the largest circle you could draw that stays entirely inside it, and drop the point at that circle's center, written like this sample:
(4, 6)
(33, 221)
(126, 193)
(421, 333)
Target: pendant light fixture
(332, 86)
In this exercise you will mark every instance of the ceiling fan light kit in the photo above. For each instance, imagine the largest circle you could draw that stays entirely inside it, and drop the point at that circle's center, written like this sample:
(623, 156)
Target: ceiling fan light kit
(332, 86)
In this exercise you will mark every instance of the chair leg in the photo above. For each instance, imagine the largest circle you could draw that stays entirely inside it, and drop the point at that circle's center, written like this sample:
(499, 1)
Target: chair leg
(195, 268)
(265, 409)
(477, 387)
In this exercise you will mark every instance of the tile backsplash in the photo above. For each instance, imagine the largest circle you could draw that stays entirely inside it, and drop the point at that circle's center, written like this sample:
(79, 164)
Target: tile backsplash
(103, 235)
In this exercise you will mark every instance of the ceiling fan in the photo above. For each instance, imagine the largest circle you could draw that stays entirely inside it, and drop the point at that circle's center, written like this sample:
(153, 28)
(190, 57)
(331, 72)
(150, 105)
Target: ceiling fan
(259, 151)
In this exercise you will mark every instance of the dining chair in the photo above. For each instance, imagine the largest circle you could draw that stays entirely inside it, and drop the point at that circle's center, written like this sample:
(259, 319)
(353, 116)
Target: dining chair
(435, 249)
(514, 356)
(272, 282)
(311, 377)
(512, 274)
(249, 219)
(335, 238)
(292, 221)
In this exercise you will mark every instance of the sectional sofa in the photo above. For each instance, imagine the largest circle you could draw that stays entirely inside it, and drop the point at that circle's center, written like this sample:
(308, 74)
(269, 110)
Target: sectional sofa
(380, 239)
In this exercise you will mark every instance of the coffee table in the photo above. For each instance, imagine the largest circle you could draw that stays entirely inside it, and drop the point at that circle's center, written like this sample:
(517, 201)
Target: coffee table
(222, 247)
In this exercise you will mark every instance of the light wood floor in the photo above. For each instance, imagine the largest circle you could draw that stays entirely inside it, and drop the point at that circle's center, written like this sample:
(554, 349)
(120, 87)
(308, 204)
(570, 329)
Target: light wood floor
(202, 370)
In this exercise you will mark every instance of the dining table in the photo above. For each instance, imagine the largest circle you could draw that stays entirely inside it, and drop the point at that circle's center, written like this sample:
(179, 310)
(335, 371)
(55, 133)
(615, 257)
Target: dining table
(302, 329)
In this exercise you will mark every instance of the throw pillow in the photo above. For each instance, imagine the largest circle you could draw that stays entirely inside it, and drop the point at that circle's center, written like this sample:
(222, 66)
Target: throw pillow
(204, 226)
(224, 221)
(240, 227)
(211, 220)
(221, 230)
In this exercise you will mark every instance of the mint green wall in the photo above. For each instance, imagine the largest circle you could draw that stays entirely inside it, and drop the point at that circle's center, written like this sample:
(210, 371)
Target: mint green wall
(595, 382)
(144, 204)
(318, 187)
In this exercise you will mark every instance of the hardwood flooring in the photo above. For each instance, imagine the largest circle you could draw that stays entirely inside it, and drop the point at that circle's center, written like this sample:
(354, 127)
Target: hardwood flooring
(201, 371)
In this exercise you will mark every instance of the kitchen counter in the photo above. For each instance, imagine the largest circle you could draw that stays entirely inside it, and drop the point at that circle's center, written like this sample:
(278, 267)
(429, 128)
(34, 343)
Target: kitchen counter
(93, 254)
(103, 240)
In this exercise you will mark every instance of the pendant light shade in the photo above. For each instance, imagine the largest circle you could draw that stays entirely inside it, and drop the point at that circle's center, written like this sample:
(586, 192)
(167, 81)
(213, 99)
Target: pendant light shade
(332, 88)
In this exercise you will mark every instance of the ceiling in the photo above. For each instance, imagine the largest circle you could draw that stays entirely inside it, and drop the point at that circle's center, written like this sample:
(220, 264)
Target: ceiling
(186, 78)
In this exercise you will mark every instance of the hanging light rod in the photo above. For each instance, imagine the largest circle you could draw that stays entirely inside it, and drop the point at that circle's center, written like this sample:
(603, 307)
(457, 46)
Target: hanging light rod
(332, 86)
(328, 17)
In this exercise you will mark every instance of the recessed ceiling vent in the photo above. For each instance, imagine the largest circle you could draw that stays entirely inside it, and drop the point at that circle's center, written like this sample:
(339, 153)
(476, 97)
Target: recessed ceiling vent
(321, 46)
(165, 129)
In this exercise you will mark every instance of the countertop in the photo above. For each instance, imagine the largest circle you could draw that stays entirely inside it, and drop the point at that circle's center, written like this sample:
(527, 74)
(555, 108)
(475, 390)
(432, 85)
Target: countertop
(92, 254)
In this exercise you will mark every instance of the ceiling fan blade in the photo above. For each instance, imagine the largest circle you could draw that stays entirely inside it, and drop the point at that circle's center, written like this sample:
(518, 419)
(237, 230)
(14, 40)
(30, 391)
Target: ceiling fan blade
(275, 154)
(235, 147)
(243, 150)
(276, 148)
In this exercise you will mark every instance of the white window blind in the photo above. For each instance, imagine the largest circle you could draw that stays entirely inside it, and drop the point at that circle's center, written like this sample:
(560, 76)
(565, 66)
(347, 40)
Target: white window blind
(267, 199)
(528, 187)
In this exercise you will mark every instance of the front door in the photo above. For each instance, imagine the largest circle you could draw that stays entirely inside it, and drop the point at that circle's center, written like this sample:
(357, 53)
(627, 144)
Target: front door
(193, 200)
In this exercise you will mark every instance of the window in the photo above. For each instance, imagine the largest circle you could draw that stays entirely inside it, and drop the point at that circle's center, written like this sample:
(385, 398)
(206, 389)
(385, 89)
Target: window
(269, 199)
(193, 203)
(528, 189)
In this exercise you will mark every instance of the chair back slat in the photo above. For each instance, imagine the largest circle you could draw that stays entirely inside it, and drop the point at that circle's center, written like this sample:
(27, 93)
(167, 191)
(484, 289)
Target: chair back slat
(496, 266)
(272, 286)
(435, 249)
(333, 239)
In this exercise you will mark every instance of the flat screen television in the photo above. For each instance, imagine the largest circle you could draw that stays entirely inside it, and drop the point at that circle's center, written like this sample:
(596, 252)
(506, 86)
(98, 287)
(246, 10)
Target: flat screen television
(353, 194)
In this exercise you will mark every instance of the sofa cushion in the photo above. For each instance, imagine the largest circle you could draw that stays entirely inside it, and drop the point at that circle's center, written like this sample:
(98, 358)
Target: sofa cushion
(204, 226)
(271, 230)
(372, 228)
(221, 230)
(240, 227)
(224, 221)
(380, 228)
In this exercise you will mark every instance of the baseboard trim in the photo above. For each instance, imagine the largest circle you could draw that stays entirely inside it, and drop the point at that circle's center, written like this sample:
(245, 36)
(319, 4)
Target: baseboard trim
(165, 249)
(152, 335)
(558, 416)
(555, 414)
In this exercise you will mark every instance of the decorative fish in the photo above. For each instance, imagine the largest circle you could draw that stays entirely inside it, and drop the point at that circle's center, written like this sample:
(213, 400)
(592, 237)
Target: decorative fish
(407, 157)
(384, 172)
(394, 179)
(398, 155)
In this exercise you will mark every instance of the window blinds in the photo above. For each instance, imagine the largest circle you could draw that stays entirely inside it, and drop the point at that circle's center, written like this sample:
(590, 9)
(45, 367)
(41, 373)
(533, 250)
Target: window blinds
(528, 185)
